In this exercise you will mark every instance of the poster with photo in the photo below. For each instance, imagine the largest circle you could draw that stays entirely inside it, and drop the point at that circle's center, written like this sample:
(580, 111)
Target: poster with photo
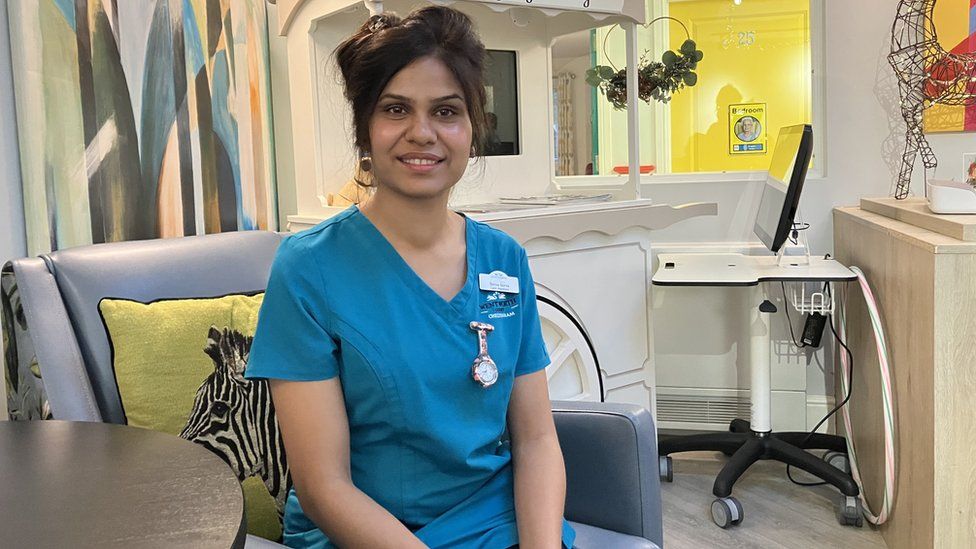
(747, 128)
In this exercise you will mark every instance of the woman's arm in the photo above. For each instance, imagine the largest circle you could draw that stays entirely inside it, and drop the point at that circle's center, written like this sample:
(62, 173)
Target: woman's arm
(540, 475)
(312, 417)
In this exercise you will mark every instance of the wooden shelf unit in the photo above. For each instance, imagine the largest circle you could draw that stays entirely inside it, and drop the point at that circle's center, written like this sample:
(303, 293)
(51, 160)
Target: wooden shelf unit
(925, 285)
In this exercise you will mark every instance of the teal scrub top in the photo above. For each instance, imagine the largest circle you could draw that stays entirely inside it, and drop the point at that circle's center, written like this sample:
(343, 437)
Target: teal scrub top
(427, 442)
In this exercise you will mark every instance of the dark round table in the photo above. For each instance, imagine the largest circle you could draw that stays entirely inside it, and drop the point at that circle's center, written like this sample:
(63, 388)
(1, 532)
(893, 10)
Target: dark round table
(73, 484)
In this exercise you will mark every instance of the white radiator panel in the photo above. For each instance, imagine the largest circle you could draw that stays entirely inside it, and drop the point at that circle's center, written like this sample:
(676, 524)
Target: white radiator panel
(690, 408)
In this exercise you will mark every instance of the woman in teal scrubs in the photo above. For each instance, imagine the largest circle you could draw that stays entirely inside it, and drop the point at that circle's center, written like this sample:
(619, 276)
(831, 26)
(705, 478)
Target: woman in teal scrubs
(402, 340)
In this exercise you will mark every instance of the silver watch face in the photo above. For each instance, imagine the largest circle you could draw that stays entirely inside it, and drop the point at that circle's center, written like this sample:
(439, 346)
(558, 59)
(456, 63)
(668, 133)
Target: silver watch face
(486, 372)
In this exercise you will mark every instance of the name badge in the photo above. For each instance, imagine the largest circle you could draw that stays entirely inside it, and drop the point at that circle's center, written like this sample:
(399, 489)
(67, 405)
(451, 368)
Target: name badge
(497, 281)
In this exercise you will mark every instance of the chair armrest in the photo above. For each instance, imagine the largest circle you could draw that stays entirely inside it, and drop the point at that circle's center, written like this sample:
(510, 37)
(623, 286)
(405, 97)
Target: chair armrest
(66, 381)
(612, 471)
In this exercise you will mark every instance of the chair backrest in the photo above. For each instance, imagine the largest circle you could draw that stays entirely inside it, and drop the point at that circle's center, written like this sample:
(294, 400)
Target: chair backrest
(61, 291)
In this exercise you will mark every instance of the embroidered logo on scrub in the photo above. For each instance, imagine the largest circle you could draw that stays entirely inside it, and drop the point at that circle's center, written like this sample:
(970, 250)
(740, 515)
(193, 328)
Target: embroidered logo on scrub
(499, 305)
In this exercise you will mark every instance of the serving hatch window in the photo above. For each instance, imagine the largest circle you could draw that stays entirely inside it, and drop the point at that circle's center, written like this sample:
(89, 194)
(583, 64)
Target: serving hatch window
(754, 78)
(501, 90)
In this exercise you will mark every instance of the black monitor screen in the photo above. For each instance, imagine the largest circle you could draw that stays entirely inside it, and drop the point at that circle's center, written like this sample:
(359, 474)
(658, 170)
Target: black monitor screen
(781, 192)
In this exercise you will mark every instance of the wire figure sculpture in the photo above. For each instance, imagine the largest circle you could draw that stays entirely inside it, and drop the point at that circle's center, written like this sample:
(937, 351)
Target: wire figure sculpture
(927, 75)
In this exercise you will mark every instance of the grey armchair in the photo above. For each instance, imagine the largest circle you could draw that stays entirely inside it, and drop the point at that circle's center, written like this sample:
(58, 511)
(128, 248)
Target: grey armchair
(610, 450)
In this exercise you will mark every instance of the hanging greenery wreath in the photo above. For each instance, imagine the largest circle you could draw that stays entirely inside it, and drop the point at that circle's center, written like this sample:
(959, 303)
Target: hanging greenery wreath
(657, 80)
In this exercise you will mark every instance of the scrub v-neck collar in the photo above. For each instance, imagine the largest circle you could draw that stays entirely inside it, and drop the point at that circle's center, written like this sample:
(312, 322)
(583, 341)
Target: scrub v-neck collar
(456, 305)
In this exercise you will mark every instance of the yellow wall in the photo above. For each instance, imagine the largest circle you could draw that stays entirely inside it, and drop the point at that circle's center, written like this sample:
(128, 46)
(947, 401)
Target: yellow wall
(756, 52)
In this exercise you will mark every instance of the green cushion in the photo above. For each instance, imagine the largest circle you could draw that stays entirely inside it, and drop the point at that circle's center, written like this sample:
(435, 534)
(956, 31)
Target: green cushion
(159, 362)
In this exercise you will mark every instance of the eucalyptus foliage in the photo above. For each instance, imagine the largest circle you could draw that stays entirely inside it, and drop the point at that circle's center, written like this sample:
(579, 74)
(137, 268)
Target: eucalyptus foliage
(657, 80)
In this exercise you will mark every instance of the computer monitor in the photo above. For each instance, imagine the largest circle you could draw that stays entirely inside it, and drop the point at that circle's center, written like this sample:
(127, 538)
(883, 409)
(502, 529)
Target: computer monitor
(781, 192)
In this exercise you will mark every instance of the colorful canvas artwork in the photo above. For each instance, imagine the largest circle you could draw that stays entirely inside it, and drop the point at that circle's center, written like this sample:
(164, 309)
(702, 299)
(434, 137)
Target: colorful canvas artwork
(142, 119)
(955, 22)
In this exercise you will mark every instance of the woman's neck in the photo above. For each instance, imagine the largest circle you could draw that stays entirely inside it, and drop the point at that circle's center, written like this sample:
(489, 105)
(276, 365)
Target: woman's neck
(419, 224)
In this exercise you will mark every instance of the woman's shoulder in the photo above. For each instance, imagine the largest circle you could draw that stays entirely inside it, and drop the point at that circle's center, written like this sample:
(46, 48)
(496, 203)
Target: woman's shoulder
(322, 247)
(492, 239)
(338, 237)
(326, 233)
(318, 259)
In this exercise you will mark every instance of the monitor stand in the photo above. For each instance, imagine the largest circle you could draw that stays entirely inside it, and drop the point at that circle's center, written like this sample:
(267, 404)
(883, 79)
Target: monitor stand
(795, 259)
(747, 442)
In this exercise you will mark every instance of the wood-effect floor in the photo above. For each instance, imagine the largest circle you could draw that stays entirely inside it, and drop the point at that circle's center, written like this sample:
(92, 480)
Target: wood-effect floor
(776, 512)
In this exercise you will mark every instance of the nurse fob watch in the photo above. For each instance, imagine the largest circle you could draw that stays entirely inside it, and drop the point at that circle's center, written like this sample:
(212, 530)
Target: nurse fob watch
(484, 370)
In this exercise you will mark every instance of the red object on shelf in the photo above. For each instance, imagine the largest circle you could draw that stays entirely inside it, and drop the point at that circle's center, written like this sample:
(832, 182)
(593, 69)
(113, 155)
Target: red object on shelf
(645, 169)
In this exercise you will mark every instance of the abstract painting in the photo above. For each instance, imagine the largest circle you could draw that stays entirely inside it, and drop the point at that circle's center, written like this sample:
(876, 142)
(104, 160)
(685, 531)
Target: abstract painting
(142, 118)
(955, 22)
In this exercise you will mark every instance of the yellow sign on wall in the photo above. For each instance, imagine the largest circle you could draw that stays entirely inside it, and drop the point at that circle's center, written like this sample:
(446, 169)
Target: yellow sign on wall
(747, 128)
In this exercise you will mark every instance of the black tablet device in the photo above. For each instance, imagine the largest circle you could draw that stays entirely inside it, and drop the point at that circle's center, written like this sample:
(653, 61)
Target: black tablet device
(781, 192)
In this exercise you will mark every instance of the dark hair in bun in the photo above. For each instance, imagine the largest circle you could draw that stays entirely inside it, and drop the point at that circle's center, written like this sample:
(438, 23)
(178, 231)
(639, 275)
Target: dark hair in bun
(385, 44)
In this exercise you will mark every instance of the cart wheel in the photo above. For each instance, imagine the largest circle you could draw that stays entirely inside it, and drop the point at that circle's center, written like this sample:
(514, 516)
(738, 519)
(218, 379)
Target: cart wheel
(667, 468)
(838, 460)
(850, 512)
(726, 512)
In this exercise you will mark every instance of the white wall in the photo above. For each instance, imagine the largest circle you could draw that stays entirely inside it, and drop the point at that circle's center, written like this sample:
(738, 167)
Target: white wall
(865, 133)
(281, 111)
(13, 242)
(950, 148)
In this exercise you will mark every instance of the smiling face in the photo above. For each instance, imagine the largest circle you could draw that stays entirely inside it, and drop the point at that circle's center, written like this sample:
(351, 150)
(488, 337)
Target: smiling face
(420, 132)
(747, 125)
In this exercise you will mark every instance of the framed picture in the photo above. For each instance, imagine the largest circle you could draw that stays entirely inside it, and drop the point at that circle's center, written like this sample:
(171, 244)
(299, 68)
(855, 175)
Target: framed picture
(955, 22)
(970, 165)
(142, 119)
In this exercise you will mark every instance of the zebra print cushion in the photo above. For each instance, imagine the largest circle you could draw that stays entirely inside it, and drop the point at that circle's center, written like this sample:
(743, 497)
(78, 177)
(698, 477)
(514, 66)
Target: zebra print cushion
(179, 367)
(234, 417)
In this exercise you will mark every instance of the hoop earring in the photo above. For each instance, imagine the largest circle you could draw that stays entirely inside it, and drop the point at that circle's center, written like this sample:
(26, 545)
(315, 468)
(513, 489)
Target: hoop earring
(366, 163)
